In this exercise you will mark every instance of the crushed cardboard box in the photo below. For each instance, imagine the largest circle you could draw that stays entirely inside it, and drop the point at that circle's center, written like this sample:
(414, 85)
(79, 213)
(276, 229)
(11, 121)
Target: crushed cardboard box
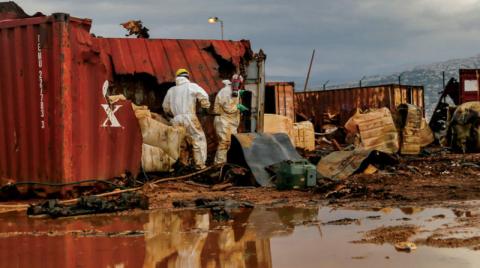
(301, 134)
(161, 142)
(376, 130)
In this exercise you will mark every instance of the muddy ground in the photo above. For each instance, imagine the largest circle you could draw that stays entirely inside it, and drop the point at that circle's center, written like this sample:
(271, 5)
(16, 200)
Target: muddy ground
(439, 180)
(414, 180)
(443, 180)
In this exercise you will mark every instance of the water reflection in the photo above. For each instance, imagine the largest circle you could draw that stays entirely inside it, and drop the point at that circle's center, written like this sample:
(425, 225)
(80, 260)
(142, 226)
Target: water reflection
(259, 237)
(193, 239)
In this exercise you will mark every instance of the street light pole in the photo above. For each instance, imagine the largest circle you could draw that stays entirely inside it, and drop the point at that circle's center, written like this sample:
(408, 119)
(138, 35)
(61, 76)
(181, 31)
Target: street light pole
(221, 26)
(213, 20)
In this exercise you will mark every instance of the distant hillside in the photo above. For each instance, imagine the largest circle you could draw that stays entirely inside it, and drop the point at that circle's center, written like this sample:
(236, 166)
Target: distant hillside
(430, 76)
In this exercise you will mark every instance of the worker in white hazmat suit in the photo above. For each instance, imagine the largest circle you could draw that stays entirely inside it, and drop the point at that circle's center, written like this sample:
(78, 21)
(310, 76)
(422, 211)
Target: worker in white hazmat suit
(180, 102)
(228, 109)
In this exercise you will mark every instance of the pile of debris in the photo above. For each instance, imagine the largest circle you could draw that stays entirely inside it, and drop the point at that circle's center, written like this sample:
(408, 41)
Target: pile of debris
(162, 142)
(89, 205)
(374, 137)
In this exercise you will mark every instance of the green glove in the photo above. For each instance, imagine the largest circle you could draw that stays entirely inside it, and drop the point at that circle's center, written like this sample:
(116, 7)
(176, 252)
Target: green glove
(241, 92)
(242, 107)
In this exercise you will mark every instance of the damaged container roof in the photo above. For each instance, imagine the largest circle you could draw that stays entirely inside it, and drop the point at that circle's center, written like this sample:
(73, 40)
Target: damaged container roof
(209, 61)
(55, 123)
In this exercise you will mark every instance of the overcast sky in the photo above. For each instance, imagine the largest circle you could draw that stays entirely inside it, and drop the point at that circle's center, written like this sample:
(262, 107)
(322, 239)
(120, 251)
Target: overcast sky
(352, 38)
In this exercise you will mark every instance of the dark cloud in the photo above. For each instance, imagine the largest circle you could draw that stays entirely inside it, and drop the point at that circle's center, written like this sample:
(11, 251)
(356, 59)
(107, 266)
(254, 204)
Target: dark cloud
(352, 38)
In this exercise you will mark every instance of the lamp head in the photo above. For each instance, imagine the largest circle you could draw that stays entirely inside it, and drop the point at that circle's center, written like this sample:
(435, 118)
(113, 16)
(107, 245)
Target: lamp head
(213, 20)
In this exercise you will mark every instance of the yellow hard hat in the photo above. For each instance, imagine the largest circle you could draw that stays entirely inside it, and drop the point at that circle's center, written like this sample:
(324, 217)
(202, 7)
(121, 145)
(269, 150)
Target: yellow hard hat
(181, 71)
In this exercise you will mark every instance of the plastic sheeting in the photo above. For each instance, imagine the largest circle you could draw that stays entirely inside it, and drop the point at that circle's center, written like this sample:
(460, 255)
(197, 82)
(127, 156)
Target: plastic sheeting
(161, 142)
(464, 128)
(260, 150)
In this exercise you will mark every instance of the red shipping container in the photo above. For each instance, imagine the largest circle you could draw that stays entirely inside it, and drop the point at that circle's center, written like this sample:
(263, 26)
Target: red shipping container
(55, 122)
(56, 125)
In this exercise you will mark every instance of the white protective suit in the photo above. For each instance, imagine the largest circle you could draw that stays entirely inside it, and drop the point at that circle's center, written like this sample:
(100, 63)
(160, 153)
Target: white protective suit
(180, 101)
(226, 123)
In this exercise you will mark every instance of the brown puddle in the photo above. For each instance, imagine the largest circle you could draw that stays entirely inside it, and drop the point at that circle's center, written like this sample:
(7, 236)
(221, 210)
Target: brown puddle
(259, 237)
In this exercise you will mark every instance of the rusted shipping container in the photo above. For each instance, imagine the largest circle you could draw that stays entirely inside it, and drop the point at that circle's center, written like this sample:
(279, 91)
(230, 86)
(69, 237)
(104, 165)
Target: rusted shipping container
(469, 85)
(55, 122)
(337, 106)
(55, 125)
(279, 99)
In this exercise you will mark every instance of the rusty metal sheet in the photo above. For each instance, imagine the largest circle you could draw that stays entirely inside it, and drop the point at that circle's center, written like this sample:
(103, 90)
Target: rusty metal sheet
(260, 150)
(162, 57)
(53, 120)
(342, 164)
(316, 105)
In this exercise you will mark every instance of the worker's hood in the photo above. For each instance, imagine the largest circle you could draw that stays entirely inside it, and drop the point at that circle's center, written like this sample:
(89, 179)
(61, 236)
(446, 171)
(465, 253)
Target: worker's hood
(226, 82)
(181, 80)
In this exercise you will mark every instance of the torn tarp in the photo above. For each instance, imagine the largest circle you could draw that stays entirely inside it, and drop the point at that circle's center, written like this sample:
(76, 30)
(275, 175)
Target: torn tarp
(340, 165)
(258, 151)
(464, 128)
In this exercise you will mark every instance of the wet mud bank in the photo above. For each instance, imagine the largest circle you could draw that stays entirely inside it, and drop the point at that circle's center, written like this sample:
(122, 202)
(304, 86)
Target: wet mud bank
(427, 180)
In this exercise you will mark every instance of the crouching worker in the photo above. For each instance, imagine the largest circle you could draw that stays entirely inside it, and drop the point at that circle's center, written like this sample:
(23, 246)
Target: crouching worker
(228, 109)
(180, 102)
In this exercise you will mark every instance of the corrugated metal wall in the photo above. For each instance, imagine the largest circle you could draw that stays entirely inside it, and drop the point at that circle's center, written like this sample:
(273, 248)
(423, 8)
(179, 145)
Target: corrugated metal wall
(27, 81)
(98, 151)
(315, 105)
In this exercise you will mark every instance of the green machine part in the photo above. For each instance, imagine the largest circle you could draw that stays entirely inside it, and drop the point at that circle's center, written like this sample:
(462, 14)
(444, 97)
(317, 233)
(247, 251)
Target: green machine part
(295, 175)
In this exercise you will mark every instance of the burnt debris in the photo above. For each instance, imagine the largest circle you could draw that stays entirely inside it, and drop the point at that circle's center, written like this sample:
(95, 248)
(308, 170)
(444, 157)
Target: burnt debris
(135, 27)
(89, 205)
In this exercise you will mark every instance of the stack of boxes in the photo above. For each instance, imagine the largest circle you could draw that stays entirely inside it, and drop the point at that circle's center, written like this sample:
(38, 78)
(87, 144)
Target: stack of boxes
(304, 135)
